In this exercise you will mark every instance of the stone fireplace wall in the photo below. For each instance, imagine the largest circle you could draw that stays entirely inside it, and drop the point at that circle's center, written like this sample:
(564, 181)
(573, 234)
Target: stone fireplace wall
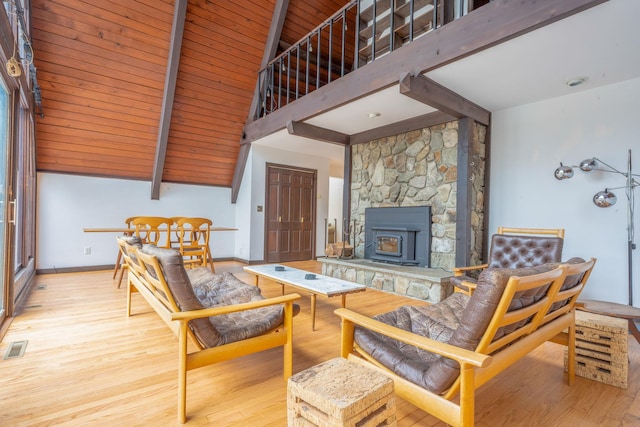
(419, 168)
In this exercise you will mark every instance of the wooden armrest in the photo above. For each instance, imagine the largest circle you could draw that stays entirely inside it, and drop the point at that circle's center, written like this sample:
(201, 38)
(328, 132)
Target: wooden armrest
(471, 286)
(458, 271)
(216, 311)
(458, 354)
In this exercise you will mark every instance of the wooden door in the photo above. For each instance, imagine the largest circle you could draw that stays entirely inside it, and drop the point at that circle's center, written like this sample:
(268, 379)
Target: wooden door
(290, 214)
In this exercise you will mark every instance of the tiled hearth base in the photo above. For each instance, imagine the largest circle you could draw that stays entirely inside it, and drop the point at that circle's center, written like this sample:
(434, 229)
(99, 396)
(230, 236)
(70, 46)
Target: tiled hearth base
(429, 284)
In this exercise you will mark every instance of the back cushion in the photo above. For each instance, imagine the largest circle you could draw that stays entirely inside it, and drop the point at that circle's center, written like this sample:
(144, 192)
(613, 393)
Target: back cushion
(178, 281)
(524, 251)
(569, 282)
(475, 319)
(131, 240)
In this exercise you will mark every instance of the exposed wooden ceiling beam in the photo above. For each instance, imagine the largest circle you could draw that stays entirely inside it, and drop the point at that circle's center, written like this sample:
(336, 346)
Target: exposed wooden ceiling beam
(179, 14)
(310, 131)
(270, 50)
(456, 40)
(427, 91)
(419, 122)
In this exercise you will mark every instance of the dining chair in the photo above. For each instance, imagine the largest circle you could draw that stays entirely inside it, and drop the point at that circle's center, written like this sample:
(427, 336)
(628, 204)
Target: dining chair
(119, 264)
(175, 238)
(154, 229)
(193, 236)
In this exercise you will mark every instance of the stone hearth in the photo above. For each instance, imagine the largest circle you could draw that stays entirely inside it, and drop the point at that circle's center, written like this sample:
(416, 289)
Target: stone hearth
(429, 284)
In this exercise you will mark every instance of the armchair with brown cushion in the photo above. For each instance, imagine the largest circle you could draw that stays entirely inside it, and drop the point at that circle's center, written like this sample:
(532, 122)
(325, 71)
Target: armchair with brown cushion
(224, 317)
(513, 248)
(438, 352)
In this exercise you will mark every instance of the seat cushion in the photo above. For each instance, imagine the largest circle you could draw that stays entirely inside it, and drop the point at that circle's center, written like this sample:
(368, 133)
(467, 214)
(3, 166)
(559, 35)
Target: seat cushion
(438, 321)
(220, 289)
(215, 290)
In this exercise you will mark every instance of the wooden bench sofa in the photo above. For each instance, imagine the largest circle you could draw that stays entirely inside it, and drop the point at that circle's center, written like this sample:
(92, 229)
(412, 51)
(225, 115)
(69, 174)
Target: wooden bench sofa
(223, 316)
(440, 354)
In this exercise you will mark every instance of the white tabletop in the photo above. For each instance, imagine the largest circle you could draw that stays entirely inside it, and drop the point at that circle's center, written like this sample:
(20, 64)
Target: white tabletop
(323, 285)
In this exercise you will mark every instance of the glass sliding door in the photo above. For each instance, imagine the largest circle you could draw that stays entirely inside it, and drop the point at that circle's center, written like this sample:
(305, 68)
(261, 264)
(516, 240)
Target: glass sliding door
(4, 208)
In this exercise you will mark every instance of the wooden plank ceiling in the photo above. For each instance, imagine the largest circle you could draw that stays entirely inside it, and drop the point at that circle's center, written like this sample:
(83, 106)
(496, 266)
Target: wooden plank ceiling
(102, 66)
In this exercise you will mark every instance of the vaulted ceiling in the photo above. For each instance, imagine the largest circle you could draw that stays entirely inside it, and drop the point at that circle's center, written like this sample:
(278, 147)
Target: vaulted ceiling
(106, 69)
(102, 68)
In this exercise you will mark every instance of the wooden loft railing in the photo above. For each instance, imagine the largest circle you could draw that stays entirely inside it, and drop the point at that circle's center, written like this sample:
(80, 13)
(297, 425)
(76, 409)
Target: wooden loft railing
(356, 35)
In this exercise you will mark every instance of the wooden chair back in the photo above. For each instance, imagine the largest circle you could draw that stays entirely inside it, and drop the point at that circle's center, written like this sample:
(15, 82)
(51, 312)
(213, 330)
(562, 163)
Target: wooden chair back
(513, 321)
(193, 238)
(153, 229)
(175, 234)
(565, 300)
(557, 232)
(553, 294)
(119, 265)
(513, 248)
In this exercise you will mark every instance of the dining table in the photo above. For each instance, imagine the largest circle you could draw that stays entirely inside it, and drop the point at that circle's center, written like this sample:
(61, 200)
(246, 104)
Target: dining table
(130, 230)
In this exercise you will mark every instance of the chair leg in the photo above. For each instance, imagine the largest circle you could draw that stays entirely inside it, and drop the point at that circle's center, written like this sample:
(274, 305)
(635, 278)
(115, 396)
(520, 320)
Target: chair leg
(209, 260)
(117, 266)
(571, 355)
(182, 373)
(129, 290)
(122, 269)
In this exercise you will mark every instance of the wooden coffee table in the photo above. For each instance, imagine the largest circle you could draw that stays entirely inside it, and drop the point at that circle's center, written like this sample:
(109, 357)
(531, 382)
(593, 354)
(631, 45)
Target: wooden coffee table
(613, 309)
(320, 285)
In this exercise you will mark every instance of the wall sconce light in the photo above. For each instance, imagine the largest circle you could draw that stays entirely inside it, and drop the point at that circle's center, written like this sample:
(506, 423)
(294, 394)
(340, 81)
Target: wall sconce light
(606, 198)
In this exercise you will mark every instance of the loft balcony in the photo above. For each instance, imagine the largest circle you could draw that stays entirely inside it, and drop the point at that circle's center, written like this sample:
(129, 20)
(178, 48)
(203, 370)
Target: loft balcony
(355, 36)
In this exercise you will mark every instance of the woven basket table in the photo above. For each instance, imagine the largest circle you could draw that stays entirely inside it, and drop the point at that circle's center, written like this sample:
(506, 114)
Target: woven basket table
(340, 393)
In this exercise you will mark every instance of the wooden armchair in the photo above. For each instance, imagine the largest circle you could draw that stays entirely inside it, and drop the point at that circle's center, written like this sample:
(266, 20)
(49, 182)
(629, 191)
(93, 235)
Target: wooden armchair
(513, 248)
(449, 349)
(225, 317)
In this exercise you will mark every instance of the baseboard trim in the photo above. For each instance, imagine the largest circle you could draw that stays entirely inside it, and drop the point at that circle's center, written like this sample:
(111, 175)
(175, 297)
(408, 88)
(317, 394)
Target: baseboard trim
(75, 269)
(112, 266)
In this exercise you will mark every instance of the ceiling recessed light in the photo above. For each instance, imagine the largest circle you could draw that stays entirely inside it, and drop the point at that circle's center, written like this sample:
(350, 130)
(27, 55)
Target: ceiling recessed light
(374, 115)
(577, 81)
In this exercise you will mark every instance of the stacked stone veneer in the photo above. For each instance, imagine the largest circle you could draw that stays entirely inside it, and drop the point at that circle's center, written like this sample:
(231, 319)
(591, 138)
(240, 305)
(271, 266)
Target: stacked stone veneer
(420, 168)
(416, 282)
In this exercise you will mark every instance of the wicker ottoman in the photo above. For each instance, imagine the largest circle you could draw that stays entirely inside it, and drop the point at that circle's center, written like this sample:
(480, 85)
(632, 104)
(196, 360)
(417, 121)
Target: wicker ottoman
(601, 348)
(340, 393)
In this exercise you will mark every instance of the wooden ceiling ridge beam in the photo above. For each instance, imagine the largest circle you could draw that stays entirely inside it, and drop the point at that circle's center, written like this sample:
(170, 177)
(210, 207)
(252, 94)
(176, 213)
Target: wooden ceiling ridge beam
(487, 26)
(428, 92)
(270, 51)
(307, 130)
(177, 30)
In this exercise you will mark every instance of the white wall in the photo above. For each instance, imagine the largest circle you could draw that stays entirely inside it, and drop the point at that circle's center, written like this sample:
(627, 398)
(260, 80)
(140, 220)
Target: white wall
(527, 145)
(260, 156)
(336, 187)
(67, 204)
(243, 213)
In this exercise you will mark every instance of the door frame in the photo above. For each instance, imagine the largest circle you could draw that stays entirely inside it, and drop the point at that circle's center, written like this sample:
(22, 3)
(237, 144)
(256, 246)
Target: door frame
(314, 209)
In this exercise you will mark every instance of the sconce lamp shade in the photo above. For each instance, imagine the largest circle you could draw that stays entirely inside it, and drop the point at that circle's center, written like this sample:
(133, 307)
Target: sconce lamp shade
(563, 172)
(604, 199)
(588, 165)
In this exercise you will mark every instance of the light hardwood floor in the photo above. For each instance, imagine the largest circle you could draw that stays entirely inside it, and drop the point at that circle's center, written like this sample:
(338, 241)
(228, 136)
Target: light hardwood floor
(88, 364)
